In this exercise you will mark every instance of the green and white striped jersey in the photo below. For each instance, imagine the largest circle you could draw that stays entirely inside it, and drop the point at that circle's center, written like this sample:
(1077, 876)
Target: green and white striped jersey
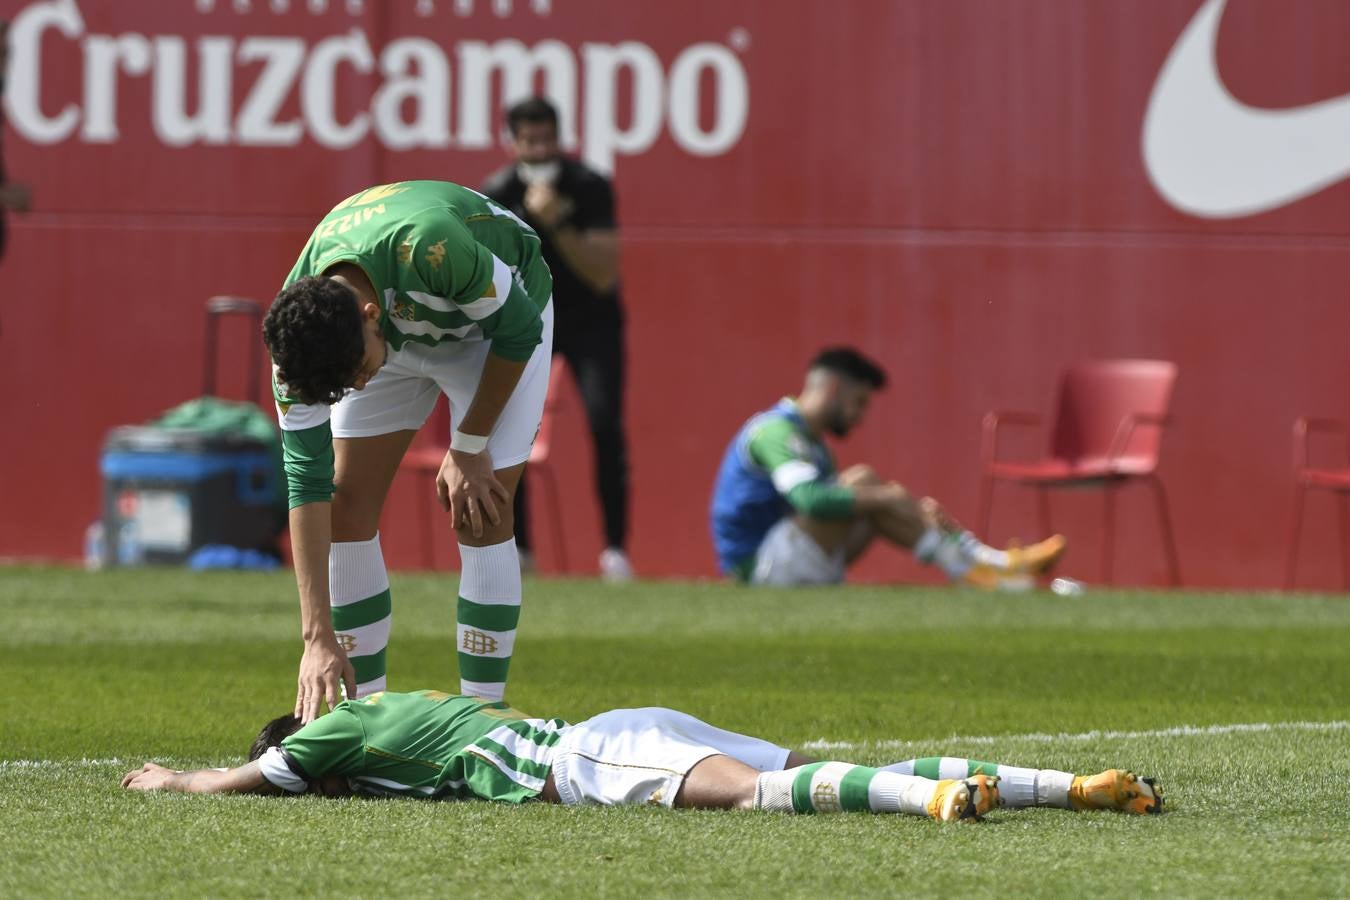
(424, 744)
(447, 264)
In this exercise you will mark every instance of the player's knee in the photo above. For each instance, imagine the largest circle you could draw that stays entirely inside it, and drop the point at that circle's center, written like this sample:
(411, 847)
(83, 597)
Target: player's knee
(860, 474)
(502, 531)
(355, 518)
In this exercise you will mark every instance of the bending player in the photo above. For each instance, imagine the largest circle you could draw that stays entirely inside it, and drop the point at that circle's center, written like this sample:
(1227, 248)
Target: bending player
(782, 515)
(431, 745)
(404, 292)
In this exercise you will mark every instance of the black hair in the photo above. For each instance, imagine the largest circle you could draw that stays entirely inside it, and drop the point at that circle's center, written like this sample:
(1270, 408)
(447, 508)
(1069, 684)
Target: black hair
(314, 334)
(851, 364)
(531, 109)
(273, 733)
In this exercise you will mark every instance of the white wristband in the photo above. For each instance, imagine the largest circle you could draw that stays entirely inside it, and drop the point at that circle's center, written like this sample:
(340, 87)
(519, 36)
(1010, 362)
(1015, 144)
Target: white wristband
(468, 443)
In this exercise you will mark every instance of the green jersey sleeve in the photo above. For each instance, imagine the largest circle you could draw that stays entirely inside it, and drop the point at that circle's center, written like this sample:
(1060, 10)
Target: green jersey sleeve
(307, 457)
(779, 448)
(306, 448)
(444, 256)
(333, 744)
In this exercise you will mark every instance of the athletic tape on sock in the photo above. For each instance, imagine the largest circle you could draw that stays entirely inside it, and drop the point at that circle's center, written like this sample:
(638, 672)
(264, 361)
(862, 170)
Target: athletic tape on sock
(773, 791)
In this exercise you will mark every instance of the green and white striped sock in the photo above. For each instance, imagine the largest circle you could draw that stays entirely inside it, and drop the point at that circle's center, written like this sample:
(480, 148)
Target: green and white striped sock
(1017, 787)
(489, 609)
(358, 591)
(843, 787)
(981, 552)
(936, 547)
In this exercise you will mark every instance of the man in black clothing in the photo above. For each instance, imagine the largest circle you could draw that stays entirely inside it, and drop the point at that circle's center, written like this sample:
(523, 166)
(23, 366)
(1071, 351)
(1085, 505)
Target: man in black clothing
(571, 206)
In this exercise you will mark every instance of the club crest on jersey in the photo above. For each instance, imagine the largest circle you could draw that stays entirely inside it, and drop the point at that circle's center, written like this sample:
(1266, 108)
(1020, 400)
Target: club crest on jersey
(404, 310)
(478, 643)
(346, 641)
(280, 393)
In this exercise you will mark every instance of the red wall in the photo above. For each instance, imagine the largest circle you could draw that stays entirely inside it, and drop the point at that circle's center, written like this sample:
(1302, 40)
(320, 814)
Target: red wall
(955, 186)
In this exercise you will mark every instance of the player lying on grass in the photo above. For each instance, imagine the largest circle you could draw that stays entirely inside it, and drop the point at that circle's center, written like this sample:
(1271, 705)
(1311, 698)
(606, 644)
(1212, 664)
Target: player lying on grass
(783, 515)
(441, 746)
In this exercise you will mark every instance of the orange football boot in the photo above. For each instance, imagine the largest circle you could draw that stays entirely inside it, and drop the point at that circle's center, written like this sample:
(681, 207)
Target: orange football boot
(1117, 789)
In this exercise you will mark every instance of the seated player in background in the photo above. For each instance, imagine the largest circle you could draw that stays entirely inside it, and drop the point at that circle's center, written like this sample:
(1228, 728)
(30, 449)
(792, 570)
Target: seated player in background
(782, 515)
(437, 746)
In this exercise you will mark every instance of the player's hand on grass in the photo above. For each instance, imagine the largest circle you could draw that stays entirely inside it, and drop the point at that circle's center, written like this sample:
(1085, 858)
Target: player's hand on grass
(149, 777)
(324, 670)
(468, 489)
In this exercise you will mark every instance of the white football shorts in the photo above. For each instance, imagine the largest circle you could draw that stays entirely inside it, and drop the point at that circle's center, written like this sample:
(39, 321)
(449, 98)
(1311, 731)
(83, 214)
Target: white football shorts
(403, 393)
(641, 756)
(789, 556)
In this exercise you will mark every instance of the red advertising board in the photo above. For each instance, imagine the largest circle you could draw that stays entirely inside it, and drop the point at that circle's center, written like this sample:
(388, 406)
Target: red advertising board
(974, 192)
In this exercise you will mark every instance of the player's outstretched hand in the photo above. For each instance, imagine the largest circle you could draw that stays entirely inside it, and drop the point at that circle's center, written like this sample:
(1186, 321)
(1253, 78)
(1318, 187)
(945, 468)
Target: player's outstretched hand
(468, 489)
(149, 777)
(324, 670)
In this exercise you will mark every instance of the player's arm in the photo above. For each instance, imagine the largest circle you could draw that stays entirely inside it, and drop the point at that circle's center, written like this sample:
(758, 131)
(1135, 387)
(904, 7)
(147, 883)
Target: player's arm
(445, 258)
(584, 235)
(247, 779)
(490, 294)
(776, 447)
(318, 755)
(307, 452)
(593, 254)
(324, 666)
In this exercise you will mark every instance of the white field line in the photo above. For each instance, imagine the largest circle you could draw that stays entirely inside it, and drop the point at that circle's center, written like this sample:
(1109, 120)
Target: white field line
(1178, 731)
(1034, 738)
(6, 764)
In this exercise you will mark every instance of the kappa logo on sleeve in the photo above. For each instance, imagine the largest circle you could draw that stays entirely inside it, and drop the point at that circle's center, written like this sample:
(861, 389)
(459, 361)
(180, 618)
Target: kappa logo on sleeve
(436, 254)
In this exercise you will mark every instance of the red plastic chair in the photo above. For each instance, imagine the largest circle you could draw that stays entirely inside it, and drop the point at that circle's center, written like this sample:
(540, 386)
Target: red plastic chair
(1107, 432)
(1308, 477)
(428, 451)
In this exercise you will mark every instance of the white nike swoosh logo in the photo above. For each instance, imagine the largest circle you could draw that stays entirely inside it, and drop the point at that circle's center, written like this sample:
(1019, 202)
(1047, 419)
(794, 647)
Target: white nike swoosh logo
(1210, 155)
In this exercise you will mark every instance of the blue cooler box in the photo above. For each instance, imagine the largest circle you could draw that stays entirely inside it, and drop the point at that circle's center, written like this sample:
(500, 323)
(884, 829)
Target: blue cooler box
(167, 492)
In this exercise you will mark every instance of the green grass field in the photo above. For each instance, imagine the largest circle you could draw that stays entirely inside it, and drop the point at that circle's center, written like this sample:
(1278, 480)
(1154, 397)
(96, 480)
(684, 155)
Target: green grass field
(105, 670)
